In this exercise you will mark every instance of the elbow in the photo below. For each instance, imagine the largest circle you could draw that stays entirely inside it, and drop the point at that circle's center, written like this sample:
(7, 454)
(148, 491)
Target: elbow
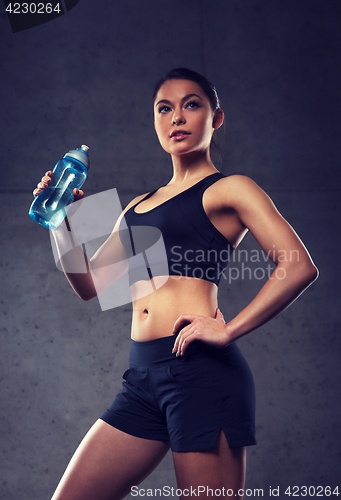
(82, 296)
(83, 286)
(314, 273)
(303, 273)
(85, 294)
(309, 273)
(86, 297)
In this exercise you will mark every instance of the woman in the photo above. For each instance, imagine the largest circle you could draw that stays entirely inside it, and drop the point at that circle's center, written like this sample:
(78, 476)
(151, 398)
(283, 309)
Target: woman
(188, 386)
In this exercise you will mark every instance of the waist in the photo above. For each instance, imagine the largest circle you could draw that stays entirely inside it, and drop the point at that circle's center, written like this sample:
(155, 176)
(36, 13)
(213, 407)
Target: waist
(158, 352)
(149, 352)
(155, 312)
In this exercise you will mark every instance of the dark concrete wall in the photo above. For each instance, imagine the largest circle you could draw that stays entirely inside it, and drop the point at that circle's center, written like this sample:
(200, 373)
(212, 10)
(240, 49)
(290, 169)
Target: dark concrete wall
(86, 78)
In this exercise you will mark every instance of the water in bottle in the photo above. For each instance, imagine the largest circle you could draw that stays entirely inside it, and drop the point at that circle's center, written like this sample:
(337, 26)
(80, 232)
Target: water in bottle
(48, 208)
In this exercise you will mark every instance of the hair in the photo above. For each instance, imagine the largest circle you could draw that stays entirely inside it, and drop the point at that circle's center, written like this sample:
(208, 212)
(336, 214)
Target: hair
(187, 74)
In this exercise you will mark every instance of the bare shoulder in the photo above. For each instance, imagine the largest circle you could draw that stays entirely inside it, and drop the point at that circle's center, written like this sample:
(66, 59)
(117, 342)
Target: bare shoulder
(238, 183)
(238, 191)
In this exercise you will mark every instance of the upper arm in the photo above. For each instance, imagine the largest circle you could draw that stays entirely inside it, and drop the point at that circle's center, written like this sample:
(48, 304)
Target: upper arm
(257, 212)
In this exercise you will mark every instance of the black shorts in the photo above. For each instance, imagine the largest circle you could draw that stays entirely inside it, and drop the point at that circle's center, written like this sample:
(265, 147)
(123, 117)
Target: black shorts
(186, 400)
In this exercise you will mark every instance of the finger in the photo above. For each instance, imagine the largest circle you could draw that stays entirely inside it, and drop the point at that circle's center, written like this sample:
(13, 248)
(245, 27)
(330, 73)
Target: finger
(46, 179)
(181, 326)
(187, 335)
(78, 194)
(182, 321)
(179, 338)
(176, 344)
(186, 340)
(219, 316)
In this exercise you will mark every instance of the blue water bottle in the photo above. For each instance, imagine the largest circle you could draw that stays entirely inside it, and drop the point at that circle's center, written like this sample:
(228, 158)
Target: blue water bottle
(48, 208)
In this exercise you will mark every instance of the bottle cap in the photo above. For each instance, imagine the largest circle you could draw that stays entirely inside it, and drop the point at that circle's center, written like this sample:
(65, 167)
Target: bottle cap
(80, 154)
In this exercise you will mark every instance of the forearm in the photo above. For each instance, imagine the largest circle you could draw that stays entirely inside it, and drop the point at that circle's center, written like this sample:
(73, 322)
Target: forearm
(89, 277)
(74, 261)
(284, 286)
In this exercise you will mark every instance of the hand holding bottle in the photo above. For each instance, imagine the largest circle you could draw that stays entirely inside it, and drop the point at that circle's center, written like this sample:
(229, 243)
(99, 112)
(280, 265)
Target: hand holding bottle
(78, 194)
(58, 188)
(45, 180)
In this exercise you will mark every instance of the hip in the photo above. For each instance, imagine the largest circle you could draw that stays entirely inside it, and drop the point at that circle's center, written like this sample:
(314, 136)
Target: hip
(203, 366)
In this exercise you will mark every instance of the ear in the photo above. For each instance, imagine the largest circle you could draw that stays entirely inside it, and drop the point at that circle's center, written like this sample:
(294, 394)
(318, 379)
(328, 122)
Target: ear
(218, 119)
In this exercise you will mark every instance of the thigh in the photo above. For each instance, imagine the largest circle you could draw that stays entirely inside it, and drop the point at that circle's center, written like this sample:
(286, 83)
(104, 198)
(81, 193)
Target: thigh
(107, 463)
(222, 467)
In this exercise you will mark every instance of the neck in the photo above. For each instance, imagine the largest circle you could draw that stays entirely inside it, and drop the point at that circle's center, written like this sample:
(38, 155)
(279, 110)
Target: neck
(191, 166)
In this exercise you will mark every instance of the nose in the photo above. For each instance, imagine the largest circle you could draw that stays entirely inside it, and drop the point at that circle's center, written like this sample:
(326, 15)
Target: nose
(178, 118)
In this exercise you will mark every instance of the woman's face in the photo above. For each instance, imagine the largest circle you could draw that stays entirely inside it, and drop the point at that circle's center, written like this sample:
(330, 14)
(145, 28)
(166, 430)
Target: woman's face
(183, 117)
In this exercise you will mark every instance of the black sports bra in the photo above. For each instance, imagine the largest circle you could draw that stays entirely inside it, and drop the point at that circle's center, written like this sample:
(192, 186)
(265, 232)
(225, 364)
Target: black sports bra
(176, 238)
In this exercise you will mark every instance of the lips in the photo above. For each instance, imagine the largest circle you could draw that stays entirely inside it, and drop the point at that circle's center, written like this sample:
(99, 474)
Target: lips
(178, 135)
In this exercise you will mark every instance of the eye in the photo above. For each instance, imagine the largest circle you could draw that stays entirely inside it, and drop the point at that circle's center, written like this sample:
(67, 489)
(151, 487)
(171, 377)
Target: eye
(192, 104)
(163, 109)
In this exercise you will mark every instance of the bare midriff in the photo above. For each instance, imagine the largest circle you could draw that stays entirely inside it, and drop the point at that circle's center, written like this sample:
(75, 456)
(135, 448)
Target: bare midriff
(155, 313)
